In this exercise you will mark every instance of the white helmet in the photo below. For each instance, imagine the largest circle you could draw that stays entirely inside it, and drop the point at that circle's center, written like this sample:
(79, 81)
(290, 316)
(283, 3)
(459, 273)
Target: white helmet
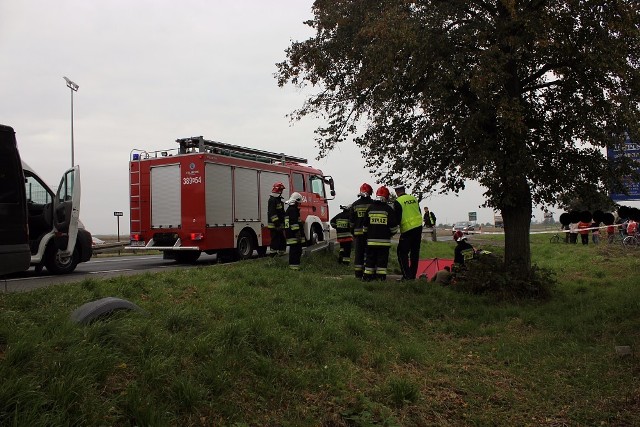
(294, 198)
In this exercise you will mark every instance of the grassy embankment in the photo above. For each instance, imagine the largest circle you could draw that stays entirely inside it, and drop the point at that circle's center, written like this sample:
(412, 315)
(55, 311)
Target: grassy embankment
(255, 344)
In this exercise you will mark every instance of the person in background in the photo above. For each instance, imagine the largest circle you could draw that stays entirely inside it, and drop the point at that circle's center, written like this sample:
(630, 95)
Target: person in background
(443, 276)
(632, 227)
(410, 219)
(379, 226)
(595, 232)
(463, 249)
(342, 225)
(583, 229)
(429, 219)
(293, 230)
(573, 232)
(611, 233)
(275, 215)
(358, 210)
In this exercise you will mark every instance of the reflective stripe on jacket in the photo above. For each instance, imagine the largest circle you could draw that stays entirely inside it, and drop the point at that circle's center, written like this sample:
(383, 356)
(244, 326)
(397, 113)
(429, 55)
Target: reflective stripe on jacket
(380, 224)
(275, 212)
(358, 210)
(293, 226)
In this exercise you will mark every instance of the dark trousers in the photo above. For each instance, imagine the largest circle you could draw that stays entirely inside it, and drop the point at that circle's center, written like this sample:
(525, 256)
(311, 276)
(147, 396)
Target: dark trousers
(295, 253)
(573, 237)
(584, 238)
(278, 242)
(377, 259)
(344, 256)
(409, 252)
(360, 246)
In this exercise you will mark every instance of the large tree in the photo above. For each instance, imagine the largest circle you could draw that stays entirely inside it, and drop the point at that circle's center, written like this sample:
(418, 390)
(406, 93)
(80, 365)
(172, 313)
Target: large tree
(518, 95)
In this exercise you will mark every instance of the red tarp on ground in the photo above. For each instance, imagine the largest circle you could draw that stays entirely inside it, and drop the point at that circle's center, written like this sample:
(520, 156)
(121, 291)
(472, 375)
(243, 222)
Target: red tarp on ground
(431, 266)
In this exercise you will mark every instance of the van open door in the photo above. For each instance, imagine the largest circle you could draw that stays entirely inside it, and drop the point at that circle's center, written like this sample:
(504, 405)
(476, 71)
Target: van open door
(66, 212)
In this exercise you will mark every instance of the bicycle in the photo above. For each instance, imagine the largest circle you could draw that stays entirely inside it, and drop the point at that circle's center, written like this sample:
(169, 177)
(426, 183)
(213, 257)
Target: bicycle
(632, 241)
(557, 238)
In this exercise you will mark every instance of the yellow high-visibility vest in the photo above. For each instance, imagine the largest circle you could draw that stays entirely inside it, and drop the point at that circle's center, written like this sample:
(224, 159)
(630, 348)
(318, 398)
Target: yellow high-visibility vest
(411, 215)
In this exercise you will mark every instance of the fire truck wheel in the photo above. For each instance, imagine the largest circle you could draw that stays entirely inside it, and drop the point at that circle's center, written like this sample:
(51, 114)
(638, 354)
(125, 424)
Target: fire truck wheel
(316, 235)
(186, 257)
(246, 244)
(58, 265)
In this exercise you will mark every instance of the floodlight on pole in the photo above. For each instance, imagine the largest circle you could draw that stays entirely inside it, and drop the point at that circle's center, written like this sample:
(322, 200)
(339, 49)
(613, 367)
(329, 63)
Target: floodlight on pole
(74, 88)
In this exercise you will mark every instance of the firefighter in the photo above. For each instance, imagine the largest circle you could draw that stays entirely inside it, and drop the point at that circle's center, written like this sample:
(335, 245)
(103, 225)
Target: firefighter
(358, 209)
(275, 214)
(342, 224)
(380, 225)
(409, 217)
(294, 230)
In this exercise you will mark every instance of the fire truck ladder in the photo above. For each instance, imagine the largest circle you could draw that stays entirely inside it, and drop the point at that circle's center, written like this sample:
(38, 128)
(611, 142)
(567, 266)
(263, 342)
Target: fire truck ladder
(135, 219)
(199, 144)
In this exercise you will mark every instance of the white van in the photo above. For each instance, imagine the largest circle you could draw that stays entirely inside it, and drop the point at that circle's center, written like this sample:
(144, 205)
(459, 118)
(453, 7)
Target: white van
(57, 238)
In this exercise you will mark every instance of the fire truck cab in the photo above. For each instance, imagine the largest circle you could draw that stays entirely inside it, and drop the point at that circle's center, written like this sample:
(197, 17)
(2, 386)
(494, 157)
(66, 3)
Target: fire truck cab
(209, 196)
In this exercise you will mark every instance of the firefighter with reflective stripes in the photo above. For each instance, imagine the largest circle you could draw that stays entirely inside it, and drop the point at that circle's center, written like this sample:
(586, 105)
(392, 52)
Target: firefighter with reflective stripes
(294, 231)
(358, 210)
(342, 224)
(275, 214)
(380, 225)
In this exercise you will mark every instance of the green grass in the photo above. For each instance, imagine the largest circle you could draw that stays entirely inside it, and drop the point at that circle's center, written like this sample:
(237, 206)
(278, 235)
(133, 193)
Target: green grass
(254, 344)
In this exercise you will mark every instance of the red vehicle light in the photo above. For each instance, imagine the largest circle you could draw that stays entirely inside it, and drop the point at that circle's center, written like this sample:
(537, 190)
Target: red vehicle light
(196, 236)
(136, 237)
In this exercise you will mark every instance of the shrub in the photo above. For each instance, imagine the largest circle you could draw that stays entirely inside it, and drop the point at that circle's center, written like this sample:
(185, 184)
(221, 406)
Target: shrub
(487, 274)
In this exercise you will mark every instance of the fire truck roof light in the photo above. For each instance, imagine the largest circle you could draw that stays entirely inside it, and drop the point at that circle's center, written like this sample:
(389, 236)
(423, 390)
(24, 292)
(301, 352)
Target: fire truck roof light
(136, 156)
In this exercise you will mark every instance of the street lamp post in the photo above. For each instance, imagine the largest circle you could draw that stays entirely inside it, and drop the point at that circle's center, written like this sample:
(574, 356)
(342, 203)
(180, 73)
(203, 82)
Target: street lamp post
(74, 88)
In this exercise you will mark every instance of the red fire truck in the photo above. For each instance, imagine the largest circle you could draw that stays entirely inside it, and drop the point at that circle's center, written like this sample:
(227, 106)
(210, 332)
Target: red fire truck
(209, 196)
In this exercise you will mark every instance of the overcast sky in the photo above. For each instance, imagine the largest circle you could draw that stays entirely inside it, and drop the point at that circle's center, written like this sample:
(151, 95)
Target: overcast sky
(153, 71)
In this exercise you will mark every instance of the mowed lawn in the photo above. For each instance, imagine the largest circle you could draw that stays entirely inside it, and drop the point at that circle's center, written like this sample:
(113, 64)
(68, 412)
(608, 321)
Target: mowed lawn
(254, 344)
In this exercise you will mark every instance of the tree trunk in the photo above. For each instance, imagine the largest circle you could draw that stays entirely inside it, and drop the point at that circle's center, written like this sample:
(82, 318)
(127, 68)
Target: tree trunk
(517, 224)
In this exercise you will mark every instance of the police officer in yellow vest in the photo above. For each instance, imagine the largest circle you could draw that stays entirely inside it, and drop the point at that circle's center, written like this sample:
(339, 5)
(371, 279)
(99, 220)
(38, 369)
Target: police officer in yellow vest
(409, 217)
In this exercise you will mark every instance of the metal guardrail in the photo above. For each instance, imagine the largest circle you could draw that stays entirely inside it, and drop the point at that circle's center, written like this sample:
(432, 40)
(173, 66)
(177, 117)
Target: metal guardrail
(107, 247)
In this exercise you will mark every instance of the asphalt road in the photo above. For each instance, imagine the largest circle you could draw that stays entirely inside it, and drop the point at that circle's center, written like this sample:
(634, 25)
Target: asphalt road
(97, 267)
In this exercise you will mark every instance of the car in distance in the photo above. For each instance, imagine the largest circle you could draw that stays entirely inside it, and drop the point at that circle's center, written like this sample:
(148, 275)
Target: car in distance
(465, 226)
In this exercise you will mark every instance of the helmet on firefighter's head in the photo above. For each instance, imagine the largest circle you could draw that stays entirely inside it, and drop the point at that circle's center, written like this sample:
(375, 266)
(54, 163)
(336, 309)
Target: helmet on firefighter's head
(365, 190)
(294, 198)
(458, 236)
(382, 193)
(278, 187)
(345, 207)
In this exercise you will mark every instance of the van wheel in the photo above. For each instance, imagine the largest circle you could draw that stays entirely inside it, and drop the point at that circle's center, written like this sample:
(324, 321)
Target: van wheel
(246, 245)
(56, 264)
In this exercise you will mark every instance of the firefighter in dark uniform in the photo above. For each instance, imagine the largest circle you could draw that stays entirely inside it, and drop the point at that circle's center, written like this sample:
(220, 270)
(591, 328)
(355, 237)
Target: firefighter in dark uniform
(342, 224)
(358, 209)
(294, 231)
(380, 225)
(409, 218)
(275, 214)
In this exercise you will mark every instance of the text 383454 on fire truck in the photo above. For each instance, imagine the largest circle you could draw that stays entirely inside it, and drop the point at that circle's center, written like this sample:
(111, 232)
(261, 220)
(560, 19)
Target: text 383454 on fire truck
(209, 196)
